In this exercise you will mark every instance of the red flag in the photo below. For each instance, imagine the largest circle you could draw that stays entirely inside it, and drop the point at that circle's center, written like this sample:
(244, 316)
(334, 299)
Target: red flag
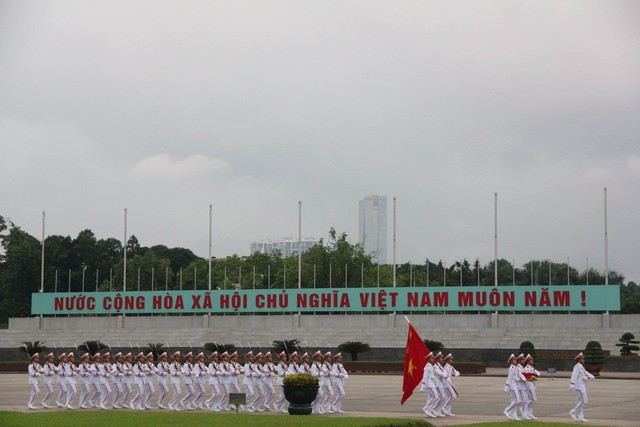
(414, 363)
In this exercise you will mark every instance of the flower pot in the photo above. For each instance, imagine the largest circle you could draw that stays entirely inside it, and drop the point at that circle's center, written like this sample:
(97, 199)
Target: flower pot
(300, 398)
(593, 369)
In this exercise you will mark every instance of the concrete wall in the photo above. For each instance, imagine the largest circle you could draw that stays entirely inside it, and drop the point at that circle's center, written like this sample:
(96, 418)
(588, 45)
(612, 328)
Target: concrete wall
(477, 331)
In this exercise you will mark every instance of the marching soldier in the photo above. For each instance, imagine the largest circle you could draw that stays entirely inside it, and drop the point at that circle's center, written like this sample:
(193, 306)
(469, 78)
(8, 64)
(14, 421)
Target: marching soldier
(175, 370)
(522, 387)
(293, 366)
(149, 370)
(200, 370)
(511, 387)
(84, 371)
(282, 370)
(104, 370)
(303, 367)
(578, 377)
(70, 371)
(450, 392)
(268, 372)
(316, 371)
(62, 382)
(162, 370)
(138, 380)
(248, 382)
(118, 378)
(188, 375)
(127, 379)
(531, 374)
(225, 368)
(235, 374)
(95, 381)
(48, 371)
(214, 371)
(441, 378)
(339, 375)
(35, 371)
(429, 383)
(258, 384)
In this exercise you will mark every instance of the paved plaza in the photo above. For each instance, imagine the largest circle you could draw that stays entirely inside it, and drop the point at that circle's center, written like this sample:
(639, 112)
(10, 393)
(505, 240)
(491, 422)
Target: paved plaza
(612, 401)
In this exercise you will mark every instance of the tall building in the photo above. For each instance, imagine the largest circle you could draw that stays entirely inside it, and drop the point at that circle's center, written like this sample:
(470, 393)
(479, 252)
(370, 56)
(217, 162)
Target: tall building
(287, 246)
(373, 227)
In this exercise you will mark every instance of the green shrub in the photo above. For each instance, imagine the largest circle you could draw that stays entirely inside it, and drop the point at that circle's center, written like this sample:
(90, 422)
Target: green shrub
(354, 348)
(627, 344)
(593, 354)
(300, 379)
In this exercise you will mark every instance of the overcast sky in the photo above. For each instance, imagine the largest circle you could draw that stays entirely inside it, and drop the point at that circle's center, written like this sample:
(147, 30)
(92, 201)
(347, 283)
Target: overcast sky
(165, 107)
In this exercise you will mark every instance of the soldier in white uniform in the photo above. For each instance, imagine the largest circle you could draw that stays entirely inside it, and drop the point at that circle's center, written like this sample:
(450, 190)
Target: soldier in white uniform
(104, 375)
(84, 371)
(258, 384)
(225, 378)
(175, 370)
(522, 387)
(578, 377)
(429, 384)
(531, 374)
(214, 372)
(304, 367)
(268, 372)
(339, 375)
(295, 362)
(138, 381)
(117, 379)
(62, 382)
(441, 379)
(35, 371)
(95, 381)
(48, 371)
(282, 369)
(127, 380)
(200, 370)
(188, 375)
(70, 372)
(248, 382)
(162, 370)
(326, 383)
(150, 371)
(511, 386)
(316, 371)
(450, 393)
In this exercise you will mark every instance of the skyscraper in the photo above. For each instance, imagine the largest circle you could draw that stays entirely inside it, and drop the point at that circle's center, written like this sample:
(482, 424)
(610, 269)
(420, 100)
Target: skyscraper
(373, 227)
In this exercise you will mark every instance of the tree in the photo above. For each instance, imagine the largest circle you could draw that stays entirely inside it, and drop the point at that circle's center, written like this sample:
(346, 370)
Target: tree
(526, 347)
(627, 344)
(32, 347)
(220, 348)
(433, 346)
(156, 348)
(288, 346)
(92, 346)
(354, 348)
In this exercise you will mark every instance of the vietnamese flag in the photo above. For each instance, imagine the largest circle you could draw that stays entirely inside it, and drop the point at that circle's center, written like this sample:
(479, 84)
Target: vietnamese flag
(415, 359)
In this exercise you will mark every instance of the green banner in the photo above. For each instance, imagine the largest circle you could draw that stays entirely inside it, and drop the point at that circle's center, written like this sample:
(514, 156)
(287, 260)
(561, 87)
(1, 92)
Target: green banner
(414, 299)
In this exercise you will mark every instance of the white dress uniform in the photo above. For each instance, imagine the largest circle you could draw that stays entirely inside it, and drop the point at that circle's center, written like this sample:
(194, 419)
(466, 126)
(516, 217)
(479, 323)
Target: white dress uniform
(522, 387)
(104, 375)
(175, 372)
(35, 371)
(449, 390)
(578, 377)
(247, 369)
(84, 371)
(258, 385)
(511, 386)
(95, 382)
(441, 378)
(62, 382)
(224, 376)
(282, 370)
(326, 384)
(213, 370)
(188, 375)
(236, 370)
(117, 378)
(200, 370)
(48, 372)
(429, 384)
(138, 382)
(530, 384)
(70, 372)
(162, 370)
(316, 371)
(127, 380)
(268, 372)
(339, 375)
(149, 371)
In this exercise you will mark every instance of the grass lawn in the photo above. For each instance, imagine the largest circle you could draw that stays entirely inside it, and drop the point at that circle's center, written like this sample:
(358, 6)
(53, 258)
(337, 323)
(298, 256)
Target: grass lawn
(170, 419)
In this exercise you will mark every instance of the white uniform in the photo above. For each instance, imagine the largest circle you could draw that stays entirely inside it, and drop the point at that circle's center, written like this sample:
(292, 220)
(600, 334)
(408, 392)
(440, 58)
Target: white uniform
(138, 382)
(62, 386)
(48, 371)
(175, 371)
(578, 377)
(433, 394)
(268, 372)
(162, 370)
(248, 383)
(225, 368)
(214, 382)
(35, 371)
(514, 377)
(258, 386)
(117, 378)
(316, 371)
(531, 391)
(200, 370)
(440, 378)
(188, 374)
(84, 371)
(127, 380)
(70, 372)
(149, 371)
(339, 375)
(95, 382)
(282, 370)
(450, 393)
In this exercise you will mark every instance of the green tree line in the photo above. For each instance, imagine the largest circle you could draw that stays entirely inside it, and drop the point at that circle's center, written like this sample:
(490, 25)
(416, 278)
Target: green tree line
(85, 262)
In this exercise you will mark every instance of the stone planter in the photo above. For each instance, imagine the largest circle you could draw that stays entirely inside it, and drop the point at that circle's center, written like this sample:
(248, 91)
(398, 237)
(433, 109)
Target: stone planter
(300, 398)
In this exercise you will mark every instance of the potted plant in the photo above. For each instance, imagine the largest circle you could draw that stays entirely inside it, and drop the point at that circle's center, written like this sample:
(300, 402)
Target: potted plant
(526, 347)
(593, 357)
(628, 345)
(300, 390)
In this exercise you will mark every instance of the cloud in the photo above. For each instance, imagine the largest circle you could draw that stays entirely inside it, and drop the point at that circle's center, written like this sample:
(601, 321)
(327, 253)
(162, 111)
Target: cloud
(165, 167)
(633, 164)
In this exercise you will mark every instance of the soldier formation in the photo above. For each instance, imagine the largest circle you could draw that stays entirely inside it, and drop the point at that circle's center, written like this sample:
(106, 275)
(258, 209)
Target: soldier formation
(129, 384)
(437, 382)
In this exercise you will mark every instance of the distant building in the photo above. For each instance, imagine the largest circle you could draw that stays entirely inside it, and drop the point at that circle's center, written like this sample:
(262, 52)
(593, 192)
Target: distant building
(373, 227)
(287, 246)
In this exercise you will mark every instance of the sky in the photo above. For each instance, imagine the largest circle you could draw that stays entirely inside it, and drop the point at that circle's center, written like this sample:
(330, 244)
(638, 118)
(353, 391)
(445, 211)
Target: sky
(167, 107)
